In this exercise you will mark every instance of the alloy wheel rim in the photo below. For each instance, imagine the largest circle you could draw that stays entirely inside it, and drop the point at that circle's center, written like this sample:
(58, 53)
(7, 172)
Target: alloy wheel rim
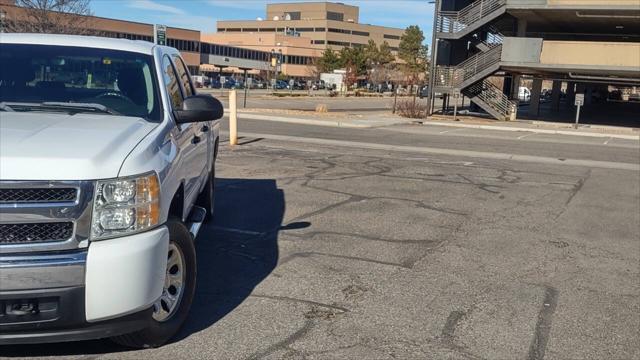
(165, 307)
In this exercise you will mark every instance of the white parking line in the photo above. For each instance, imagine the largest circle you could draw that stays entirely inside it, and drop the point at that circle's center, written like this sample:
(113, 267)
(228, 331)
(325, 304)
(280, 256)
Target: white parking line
(448, 131)
(525, 135)
(606, 142)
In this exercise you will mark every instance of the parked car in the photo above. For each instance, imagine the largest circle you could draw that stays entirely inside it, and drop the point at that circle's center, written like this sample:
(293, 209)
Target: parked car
(215, 83)
(281, 84)
(299, 85)
(318, 85)
(103, 189)
(423, 92)
(230, 83)
(524, 94)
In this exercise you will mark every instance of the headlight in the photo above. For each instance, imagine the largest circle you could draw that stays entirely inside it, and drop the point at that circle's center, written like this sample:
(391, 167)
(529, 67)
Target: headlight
(126, 205)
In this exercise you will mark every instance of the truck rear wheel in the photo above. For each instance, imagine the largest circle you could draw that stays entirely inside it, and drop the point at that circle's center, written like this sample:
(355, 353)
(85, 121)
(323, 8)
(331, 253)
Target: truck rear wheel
(171, 310)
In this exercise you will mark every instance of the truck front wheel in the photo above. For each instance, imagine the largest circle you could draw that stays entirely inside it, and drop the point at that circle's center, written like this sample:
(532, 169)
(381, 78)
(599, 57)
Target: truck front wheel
(172, 308)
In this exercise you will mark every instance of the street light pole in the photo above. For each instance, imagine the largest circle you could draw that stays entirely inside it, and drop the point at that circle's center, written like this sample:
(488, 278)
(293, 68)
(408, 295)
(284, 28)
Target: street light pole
(434, 57)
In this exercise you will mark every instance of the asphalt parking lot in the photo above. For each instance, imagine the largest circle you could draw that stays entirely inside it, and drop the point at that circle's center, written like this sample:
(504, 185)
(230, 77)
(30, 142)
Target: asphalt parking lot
(325, 252)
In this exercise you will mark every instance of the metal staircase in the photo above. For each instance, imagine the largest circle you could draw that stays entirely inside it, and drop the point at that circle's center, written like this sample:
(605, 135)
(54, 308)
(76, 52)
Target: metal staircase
(469, 78)
(456, 24)
(491, 99)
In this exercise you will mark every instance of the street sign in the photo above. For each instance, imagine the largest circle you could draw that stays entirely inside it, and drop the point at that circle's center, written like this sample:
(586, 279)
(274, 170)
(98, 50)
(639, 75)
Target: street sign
(579, 102)
(160, 34)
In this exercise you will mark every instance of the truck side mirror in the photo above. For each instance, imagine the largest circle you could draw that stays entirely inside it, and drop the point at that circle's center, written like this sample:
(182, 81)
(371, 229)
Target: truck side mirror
(198, 108)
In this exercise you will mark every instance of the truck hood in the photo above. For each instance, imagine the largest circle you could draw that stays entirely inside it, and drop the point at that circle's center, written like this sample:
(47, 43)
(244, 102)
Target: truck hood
(52, 146)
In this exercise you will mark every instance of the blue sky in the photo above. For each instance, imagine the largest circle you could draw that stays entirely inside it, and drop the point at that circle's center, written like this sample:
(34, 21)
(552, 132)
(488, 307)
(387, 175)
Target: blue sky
(203, 14)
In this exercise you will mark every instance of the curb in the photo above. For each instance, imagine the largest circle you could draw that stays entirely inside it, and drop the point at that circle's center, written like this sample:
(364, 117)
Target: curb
(538, 131)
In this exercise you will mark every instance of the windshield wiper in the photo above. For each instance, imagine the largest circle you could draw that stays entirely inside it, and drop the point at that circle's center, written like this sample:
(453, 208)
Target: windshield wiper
(85, 107)
(5, 107)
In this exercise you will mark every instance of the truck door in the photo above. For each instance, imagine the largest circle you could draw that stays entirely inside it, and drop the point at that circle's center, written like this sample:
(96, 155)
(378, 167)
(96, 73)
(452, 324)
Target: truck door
(202, 130)
(186, 137)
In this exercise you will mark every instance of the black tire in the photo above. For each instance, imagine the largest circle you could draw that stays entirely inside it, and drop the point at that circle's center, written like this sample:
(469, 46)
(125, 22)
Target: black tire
(206, 199)
(158, 333)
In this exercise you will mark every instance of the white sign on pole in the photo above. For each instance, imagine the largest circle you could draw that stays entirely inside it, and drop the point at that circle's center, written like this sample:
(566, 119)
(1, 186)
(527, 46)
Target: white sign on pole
(579, 102)
(160, 34)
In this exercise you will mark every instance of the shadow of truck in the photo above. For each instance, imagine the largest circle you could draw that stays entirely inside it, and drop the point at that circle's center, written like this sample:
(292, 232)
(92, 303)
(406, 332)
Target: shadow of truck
(238, 250)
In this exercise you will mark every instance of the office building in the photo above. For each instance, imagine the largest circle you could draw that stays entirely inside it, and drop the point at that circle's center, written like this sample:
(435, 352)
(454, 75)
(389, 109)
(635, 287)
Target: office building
(324, 24)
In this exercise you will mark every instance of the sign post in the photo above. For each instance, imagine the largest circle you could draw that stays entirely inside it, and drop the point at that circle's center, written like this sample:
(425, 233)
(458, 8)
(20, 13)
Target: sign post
(160, 34)
(578, 102)
(456, 96)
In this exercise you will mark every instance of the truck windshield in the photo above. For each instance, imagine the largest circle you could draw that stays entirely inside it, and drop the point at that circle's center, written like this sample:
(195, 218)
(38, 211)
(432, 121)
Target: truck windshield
(77, 79)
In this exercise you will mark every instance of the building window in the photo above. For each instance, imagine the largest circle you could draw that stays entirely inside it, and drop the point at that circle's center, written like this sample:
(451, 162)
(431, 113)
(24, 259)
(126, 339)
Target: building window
(267, 29)
(360, 33)
(340, 31)
(233, 30)
(320, 29)
(393, 37)
(304, 29)
(339, 43)
(222, 29)
(358, 45)
(335, 16)
(318, 42)
(250, 30)
(293, 15)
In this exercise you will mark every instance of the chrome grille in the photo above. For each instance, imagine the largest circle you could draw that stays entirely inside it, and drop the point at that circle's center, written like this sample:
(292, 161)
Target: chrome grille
(37, 195)
(35, 233)
(41, 216)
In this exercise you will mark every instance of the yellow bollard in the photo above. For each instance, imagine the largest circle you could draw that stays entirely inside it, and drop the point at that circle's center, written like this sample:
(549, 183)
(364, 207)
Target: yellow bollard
(233, 118)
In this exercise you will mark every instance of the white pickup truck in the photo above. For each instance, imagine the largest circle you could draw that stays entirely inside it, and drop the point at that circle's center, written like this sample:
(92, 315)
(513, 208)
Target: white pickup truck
(107, 171)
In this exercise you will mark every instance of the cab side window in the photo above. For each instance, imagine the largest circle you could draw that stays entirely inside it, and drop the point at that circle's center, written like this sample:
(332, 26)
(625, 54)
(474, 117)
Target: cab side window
(184, 76)
(171, 83)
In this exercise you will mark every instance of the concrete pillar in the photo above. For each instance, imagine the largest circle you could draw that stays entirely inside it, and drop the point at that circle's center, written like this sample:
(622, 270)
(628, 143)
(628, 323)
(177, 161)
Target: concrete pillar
(555, 95)
(588, 95)
(515, 87)
(506, 86)
(534, 106)
(521, 31)
(571, 93)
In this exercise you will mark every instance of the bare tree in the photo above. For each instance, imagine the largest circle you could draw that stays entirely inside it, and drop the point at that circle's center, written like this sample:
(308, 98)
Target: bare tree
(50, 16)
(314, 70)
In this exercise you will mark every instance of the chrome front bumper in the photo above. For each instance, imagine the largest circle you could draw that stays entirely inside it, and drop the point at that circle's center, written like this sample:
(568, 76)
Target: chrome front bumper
(42, 271)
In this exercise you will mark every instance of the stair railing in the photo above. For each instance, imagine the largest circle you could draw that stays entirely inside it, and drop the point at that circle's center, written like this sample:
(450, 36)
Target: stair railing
(455, 21)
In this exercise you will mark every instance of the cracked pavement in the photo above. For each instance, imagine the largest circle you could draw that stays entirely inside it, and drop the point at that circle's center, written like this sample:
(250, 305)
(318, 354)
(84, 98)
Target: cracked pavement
(322, 252)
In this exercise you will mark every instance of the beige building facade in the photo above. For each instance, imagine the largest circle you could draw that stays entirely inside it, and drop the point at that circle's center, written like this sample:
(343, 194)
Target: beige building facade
(324, 24)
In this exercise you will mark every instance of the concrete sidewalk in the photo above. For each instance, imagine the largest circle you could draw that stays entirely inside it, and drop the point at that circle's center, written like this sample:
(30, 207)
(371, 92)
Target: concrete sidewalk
(538, 127)
(346, 120)
(385, 118)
